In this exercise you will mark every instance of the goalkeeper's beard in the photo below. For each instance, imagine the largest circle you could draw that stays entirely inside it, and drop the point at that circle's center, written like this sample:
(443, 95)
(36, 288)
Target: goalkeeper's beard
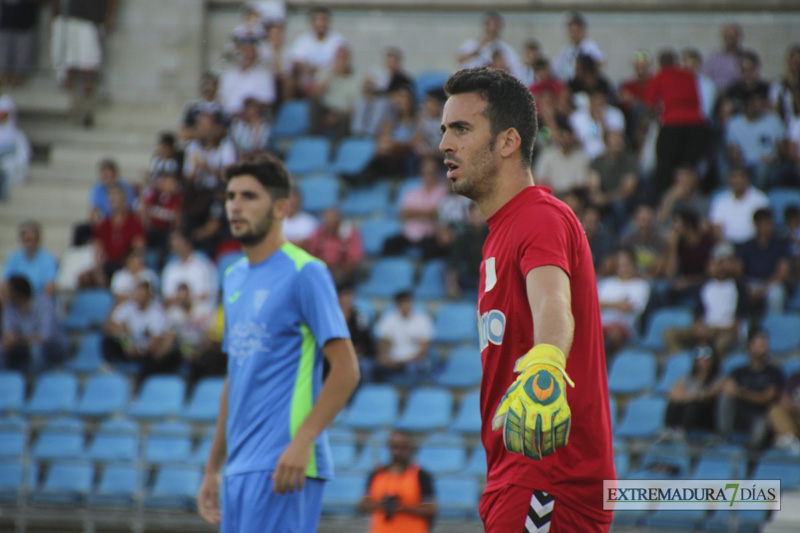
(259, 232)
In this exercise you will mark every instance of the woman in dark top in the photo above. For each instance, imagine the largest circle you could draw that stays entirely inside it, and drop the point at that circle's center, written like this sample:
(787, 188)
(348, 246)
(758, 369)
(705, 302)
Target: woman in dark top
(692, 399)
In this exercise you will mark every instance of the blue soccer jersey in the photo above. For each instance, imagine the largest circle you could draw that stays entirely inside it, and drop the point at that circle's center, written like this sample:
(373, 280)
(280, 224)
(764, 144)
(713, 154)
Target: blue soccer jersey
(278, 315)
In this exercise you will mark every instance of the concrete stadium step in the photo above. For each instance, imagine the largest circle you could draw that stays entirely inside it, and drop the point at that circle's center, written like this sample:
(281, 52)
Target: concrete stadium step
(158, 116)
(47, 134)
(66, 194)
(49, 174)
(87, 156)
(45, 209)
(33, 99)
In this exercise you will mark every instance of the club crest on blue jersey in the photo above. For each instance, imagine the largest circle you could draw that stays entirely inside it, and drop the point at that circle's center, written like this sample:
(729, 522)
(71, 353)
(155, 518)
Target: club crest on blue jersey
(491, 328)
(246, 339)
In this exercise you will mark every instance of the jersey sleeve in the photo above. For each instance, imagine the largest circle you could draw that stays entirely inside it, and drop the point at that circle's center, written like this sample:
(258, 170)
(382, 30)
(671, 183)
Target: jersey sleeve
(544, 239)
(426, 485)
(319, 305)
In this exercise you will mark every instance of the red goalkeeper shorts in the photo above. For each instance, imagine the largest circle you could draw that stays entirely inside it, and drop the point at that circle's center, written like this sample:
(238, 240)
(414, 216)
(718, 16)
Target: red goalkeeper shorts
(515, 509)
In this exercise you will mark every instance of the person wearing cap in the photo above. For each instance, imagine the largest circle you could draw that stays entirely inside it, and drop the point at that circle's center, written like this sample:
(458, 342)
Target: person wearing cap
(579, 45)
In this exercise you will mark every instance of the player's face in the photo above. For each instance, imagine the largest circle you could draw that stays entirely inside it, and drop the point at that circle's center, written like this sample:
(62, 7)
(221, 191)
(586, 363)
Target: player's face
(250, 210)
(467, 144)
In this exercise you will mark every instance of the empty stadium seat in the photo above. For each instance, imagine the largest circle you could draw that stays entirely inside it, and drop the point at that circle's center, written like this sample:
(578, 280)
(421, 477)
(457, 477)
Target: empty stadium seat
(388, 277)
(463, 368)
(790, 366)
(118, 486)
(365, 202)
(644, 418)
(427, 409)
(292, 119)
(12, 442)
(88, 309)
(780, 198)
(307, 154)
(203, 406)
(89, 357)
(431, 281)
(12, 473)
(468, 417)
(374, 406)
(783, 467)
(103, 395)
(114, 440)
(476, 464)
(665, 460)
(353, 155)
(732, 362)
(612, 407)
(167, 449)
(456, 322)
(12, 391)
(61, 438)
(428, 80)
(632, 372)
(442, 459)
(319, 193)
(200, 454)
(678, 366)
(54, 393)
(66, 482)
(344, 455)
(783, 331)
(160, 396)
(343, 493)
(175, 487)
(375, 232)
(621, 464)
(457, 496)
(662, 320)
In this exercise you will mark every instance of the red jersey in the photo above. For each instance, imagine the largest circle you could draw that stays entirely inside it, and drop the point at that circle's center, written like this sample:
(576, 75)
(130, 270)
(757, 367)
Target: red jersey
(676, 90)
(535, 229)
(161, 209)
(118, 239)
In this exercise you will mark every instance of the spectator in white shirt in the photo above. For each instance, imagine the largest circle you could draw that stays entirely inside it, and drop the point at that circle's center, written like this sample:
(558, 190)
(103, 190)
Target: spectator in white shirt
(564, 165)
(313, 51)
(125, 280)
(591, 124)
(479, 52)
(207, 156)
(193, 269)
(623, 299)
(298, 226)
(579, 45)
(404, 336)
(248, 80)
(732, 211)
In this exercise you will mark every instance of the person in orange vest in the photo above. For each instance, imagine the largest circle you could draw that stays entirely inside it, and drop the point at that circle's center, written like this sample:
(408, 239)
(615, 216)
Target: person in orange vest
(399, 495)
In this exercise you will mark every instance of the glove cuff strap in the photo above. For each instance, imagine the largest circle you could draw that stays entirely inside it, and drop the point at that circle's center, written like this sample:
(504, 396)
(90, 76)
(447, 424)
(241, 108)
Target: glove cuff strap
(546, 354)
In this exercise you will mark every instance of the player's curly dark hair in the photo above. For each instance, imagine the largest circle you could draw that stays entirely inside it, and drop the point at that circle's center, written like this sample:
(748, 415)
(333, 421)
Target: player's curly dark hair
(268, 170)
(509, 103)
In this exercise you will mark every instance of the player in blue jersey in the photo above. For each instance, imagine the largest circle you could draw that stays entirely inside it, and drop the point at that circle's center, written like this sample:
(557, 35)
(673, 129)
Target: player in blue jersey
(281, 317)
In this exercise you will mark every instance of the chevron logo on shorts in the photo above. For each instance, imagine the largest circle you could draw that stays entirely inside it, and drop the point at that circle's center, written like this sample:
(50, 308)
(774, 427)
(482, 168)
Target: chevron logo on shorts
(540, 512)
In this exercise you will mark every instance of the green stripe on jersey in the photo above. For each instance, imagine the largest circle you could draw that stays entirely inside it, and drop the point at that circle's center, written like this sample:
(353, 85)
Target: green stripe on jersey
(298, 255)
(302, 397)
(228, 270)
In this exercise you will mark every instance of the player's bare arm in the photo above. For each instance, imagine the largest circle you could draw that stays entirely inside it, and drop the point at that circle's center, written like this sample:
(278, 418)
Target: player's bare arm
(208, 497)
(342, 380)
(550, 299)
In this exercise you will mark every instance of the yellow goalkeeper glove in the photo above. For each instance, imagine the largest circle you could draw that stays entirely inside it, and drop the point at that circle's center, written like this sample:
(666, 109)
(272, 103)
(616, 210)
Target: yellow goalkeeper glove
(533, 413)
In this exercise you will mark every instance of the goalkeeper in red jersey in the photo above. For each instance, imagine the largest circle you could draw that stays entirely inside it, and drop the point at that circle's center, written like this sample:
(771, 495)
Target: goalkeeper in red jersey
(547, 439)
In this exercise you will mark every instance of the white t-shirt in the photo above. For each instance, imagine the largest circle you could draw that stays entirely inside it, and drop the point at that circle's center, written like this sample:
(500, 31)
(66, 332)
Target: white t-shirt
(123, 282)
(299, 227)
(565, 64)
(142, 324)
(405, 334)
(720, 298)
(192, 327)
(590, 132)
(197, 272)
(217, 159)
(485, 52)
(235, 86)
(636, 291)
(563, 172)
(319, 54)
(736, 215)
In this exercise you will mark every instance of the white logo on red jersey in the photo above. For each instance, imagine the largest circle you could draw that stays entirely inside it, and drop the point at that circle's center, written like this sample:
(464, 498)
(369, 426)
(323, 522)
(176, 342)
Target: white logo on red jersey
(491, 274)
(491, 328)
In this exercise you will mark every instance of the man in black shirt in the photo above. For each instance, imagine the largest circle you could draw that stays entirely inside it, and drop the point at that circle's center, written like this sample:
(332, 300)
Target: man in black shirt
(748, 393)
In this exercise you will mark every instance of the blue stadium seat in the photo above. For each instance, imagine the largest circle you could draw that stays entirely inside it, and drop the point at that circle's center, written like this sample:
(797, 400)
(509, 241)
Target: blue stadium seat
(678, 365)
(644, 418)
(462, 369)
(118, 486)
(114, 440)
(319, 193)
(340, 435)
(353, 155)
(676, 520)
(388, 277)
(203, 406)
(662, 320)
(741, 521)
(632, 372)
(732, 362)
(612, 407)
(175, 488)
(375, 232)
(372, 456)
(457, 496)
(442, 460)
(53, 393)
(402, 190)
(343, 493)
(783, 331)
(715, 468)
(88, 309)
(307, 154)
(12, 442)
(456, 322)
(160, 396)
(427, 409)
(783, 467)
(103, 395)
(666, 460)
(89, 357)
(468, 417)
(199, 456)
(429, 80)
(61, 438)
(365, 202)
(476, 464)
(167, 449)
(790, 366)
(344, 455)
(622, 463)
(12, 391)
(374, 406)
(780, 198)
(431, 281)
(292, 119)
(11, 478)
(66, 482)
